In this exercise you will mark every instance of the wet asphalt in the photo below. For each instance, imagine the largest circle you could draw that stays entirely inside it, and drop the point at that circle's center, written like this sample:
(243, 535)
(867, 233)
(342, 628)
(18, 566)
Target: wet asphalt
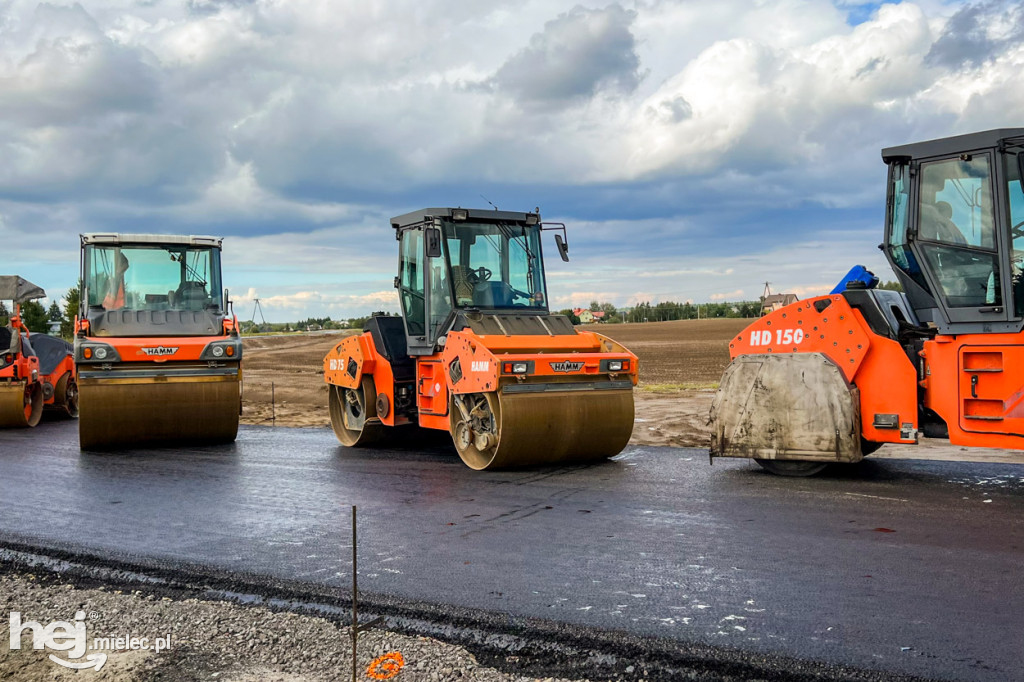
(891, 565)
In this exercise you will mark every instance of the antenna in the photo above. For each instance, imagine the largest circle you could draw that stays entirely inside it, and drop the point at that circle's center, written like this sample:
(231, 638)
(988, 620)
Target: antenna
(488, 201)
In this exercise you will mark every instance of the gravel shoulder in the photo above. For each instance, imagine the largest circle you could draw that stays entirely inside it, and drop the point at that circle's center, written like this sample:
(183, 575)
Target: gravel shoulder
(215, 640)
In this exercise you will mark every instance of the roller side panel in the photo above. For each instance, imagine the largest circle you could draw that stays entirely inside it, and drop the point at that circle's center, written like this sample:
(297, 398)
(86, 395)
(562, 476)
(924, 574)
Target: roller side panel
(876, 365)
(357, 357)
(346, 363)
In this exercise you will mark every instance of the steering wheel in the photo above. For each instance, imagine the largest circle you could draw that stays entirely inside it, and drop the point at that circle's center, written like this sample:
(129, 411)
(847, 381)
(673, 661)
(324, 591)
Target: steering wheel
(480, 274)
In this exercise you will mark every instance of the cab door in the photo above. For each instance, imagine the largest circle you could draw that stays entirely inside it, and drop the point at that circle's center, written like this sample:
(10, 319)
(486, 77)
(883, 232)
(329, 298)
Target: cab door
(411, 289)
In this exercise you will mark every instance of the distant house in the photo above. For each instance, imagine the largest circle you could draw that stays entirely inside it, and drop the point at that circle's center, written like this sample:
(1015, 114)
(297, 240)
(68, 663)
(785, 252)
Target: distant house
(586, 316)
(773, 302)
(598, 315)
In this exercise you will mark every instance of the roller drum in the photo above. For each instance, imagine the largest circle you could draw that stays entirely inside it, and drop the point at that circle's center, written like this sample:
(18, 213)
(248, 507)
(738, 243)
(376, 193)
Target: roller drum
(550, 427)
(21, 404)
(121, 413)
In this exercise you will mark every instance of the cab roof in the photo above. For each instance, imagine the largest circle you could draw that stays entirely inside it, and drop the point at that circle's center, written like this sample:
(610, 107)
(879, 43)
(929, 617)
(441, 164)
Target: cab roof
(475, 214)
(112, 239)
(946, 146)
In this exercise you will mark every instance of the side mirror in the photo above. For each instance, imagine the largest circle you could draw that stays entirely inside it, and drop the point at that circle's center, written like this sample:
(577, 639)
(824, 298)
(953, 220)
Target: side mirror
(563, 247)
(433, 237)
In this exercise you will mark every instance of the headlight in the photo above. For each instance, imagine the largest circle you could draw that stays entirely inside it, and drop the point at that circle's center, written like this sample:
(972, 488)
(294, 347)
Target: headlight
(93, 351)
(616, 365)
(222, 350)
(520, 367)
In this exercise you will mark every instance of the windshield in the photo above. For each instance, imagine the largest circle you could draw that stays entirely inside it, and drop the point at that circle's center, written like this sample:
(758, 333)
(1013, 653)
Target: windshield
(496, 265)
(153, 277)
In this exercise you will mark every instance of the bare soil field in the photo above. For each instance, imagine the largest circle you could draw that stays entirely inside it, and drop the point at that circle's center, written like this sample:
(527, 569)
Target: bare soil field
(680, 365)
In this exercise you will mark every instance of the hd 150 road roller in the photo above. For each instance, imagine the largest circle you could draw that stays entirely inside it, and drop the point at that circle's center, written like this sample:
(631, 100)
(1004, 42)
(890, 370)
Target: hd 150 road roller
(477, 352)
(158, 352)
(36, 370)
(829, 379)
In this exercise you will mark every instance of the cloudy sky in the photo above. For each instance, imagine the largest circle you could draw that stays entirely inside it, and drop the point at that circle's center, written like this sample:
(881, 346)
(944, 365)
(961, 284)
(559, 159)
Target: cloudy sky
(695, 149)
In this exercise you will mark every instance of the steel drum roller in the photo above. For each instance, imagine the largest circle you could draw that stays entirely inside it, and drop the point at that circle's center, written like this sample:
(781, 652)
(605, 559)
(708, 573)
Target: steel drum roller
(551, 427)
(122, 412)
(21, 405)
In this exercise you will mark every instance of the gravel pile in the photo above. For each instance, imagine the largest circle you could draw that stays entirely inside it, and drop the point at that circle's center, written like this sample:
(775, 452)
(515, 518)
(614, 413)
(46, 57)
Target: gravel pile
(215, 641)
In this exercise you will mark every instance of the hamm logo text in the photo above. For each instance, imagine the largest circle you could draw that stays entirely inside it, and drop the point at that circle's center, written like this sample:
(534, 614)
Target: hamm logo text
(566, 366)
(159, 350)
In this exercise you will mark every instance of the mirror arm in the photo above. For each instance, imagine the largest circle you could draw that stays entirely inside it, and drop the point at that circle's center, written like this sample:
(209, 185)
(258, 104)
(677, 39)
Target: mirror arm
(562, 240)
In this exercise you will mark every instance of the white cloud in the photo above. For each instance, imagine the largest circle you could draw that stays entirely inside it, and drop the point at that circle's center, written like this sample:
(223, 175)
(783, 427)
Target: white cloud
(734, 295)
(692, 147)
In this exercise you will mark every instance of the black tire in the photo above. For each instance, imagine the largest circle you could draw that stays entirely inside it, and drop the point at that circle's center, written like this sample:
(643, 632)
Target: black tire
(792, 467)
(67, 392)
(868, 447)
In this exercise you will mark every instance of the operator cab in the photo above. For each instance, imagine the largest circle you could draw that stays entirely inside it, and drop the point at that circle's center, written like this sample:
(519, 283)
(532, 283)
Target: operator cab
(473, 268)
(955, 230)
(136, 285)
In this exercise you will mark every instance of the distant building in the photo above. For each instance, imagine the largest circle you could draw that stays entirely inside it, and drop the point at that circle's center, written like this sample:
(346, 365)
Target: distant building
(586, 316)
(773, 302)
(589, 316)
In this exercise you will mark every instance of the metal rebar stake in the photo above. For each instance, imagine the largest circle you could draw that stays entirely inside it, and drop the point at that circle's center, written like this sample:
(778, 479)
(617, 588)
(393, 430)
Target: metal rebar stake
(273, 407)
(355, 609)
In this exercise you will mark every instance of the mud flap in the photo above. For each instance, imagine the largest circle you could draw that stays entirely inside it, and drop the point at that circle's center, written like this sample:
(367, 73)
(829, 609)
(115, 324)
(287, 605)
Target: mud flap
(789, 407)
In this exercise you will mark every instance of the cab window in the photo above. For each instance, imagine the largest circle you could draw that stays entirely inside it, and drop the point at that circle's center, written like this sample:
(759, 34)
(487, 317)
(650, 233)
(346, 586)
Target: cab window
(957, 230)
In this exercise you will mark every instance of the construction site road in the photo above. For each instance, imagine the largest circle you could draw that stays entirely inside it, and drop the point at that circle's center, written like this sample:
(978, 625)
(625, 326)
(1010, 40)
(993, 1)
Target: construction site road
(893, 565)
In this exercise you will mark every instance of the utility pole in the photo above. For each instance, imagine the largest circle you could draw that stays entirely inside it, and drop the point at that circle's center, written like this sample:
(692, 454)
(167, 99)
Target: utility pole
(764, 296)
(259, 308)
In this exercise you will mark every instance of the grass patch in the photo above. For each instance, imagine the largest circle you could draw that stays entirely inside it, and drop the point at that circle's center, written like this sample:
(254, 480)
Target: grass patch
(676, 387)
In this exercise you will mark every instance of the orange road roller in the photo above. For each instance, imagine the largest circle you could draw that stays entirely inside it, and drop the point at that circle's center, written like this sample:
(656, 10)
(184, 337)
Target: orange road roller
(832, 378)
(36, 370)
(478, 353)
(157, 347)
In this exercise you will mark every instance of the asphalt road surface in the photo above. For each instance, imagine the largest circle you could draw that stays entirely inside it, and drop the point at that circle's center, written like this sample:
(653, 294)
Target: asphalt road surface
(895, 565)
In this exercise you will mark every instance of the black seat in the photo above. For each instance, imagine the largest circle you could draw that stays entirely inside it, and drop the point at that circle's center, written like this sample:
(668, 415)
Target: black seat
(389, 338)
(5, 339)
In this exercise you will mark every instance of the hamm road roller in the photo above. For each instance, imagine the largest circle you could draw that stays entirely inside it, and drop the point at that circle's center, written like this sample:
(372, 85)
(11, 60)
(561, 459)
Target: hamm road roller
(477, 353)
(157, 348)
(830, 379)
(36, 371)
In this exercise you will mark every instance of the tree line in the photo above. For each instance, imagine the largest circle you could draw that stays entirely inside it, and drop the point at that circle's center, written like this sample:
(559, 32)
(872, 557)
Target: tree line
(667, 311)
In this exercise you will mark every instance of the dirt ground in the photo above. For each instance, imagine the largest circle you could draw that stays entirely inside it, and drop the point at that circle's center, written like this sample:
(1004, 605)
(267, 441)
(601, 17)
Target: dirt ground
(680, 365)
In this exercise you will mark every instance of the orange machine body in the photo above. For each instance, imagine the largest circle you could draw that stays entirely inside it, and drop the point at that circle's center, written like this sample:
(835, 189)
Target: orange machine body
(47, 377)
(975, 382)
(484, 362)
